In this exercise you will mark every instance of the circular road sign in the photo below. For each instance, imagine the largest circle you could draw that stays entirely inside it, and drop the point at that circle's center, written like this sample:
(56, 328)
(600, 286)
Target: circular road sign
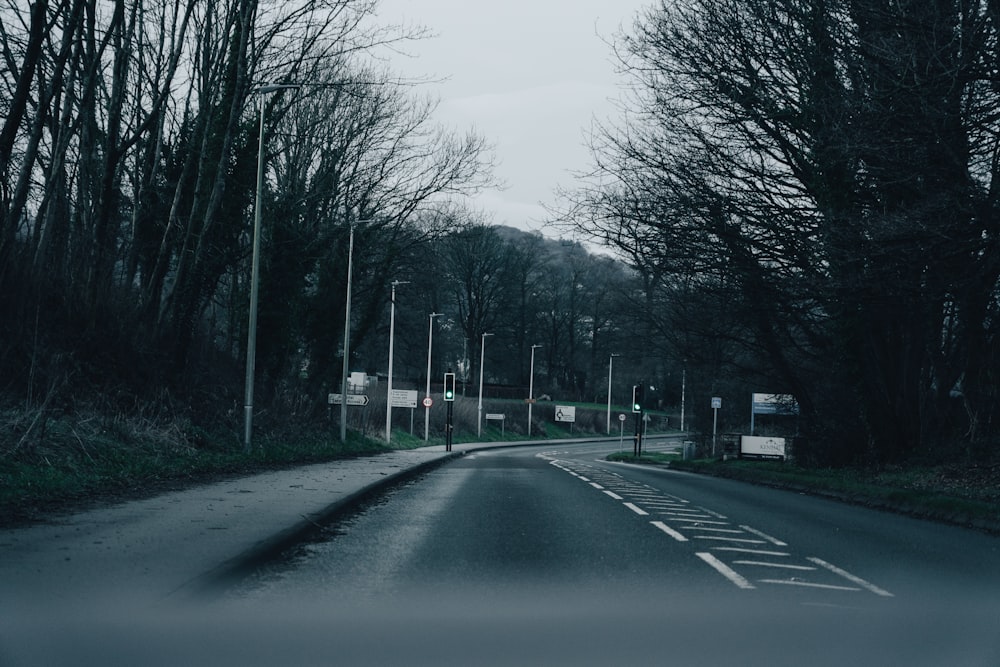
(428, 401)
(621, 418)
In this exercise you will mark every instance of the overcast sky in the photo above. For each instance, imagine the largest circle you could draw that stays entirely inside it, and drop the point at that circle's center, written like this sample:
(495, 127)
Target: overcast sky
(529, 75)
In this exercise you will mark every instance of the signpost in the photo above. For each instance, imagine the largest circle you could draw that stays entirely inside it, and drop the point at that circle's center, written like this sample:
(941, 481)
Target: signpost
(772, 404)
(566, 413)
(496, 416)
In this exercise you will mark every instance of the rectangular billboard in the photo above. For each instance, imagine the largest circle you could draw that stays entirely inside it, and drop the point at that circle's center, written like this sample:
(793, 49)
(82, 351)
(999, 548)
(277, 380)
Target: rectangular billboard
(762, 447)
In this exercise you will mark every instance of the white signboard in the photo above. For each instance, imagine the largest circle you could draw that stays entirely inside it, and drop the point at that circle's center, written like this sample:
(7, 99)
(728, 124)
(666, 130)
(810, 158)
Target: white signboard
(565, 413)
(352, 399)
(495, 415)
(775, 404)
(762, 447)
(404, 398)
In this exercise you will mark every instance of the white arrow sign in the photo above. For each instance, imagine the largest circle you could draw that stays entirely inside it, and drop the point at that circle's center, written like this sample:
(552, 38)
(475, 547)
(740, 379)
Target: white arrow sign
(352, 399)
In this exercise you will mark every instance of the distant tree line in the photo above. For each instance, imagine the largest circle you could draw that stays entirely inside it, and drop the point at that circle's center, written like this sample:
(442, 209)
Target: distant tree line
(129, 147)
(808, 190)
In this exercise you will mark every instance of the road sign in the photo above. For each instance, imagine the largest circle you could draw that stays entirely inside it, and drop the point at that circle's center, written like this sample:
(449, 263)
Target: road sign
(428, 401)
(621, 418)
(404, 398)
(716, 402)
(494, 415)
(565, 413)
(352, 399)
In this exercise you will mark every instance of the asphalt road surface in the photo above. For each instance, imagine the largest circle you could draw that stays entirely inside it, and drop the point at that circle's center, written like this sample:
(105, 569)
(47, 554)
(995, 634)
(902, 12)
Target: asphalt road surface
(552, 555)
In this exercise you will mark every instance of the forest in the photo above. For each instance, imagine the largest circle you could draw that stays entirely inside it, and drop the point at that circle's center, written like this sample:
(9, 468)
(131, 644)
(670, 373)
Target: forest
(798, 198)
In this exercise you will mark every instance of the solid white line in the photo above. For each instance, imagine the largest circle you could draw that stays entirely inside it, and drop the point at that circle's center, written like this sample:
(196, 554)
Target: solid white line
(669, 531)
(725, 570)
(614, 495)
(850, 577)
(637, 510)
(761, 563)
(806, 584)
(773, 540)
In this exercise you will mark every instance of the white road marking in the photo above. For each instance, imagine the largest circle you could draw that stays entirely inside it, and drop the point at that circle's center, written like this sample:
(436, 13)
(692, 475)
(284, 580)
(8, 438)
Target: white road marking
(669, 531)
(713, 530)
(773, 540)
(613, 495)
(850, 577)
(785, 566)
(729, 539)
(637, 510)
(596, 485)
(759, 552)
(806, 584)
(725, 570)
(696, 520)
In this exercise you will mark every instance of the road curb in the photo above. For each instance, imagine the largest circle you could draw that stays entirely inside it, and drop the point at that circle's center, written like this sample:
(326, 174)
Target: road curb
(231, 571)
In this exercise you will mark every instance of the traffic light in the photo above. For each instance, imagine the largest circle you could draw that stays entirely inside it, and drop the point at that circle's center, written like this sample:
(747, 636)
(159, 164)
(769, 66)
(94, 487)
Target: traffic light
(449, 386)
(637, 398)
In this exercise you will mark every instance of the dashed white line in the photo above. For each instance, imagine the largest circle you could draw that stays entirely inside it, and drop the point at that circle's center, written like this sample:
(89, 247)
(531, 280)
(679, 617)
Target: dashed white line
(850, 577)
(596, 485)
(725, 570)
(637, 510)
(613, 495)
(669, 531)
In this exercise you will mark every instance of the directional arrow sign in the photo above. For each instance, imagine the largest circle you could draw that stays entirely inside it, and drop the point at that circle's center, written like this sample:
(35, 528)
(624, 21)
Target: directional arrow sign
(352, 399)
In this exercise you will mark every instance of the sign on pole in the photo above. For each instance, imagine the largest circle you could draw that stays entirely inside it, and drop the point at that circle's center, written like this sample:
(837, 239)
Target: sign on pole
(404, 398)
(352, 399)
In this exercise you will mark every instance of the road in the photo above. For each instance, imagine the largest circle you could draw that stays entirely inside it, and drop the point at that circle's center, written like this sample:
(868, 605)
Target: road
(554, 555)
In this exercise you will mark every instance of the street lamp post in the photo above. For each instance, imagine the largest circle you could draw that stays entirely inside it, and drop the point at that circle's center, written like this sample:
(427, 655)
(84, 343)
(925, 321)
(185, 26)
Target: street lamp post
(392, 333)
(683, 394)
(427, 391)
(531, 385)
(611, 361)
(347, 340)
(255, 271)
(482, 363)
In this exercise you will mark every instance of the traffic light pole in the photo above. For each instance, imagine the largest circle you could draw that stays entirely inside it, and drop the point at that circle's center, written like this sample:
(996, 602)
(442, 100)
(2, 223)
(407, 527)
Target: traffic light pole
(448, 427)
(638, 408)
(449, 398)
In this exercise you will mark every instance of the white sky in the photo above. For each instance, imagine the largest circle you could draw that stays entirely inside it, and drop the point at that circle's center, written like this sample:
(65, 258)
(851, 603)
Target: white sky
(528, 75)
